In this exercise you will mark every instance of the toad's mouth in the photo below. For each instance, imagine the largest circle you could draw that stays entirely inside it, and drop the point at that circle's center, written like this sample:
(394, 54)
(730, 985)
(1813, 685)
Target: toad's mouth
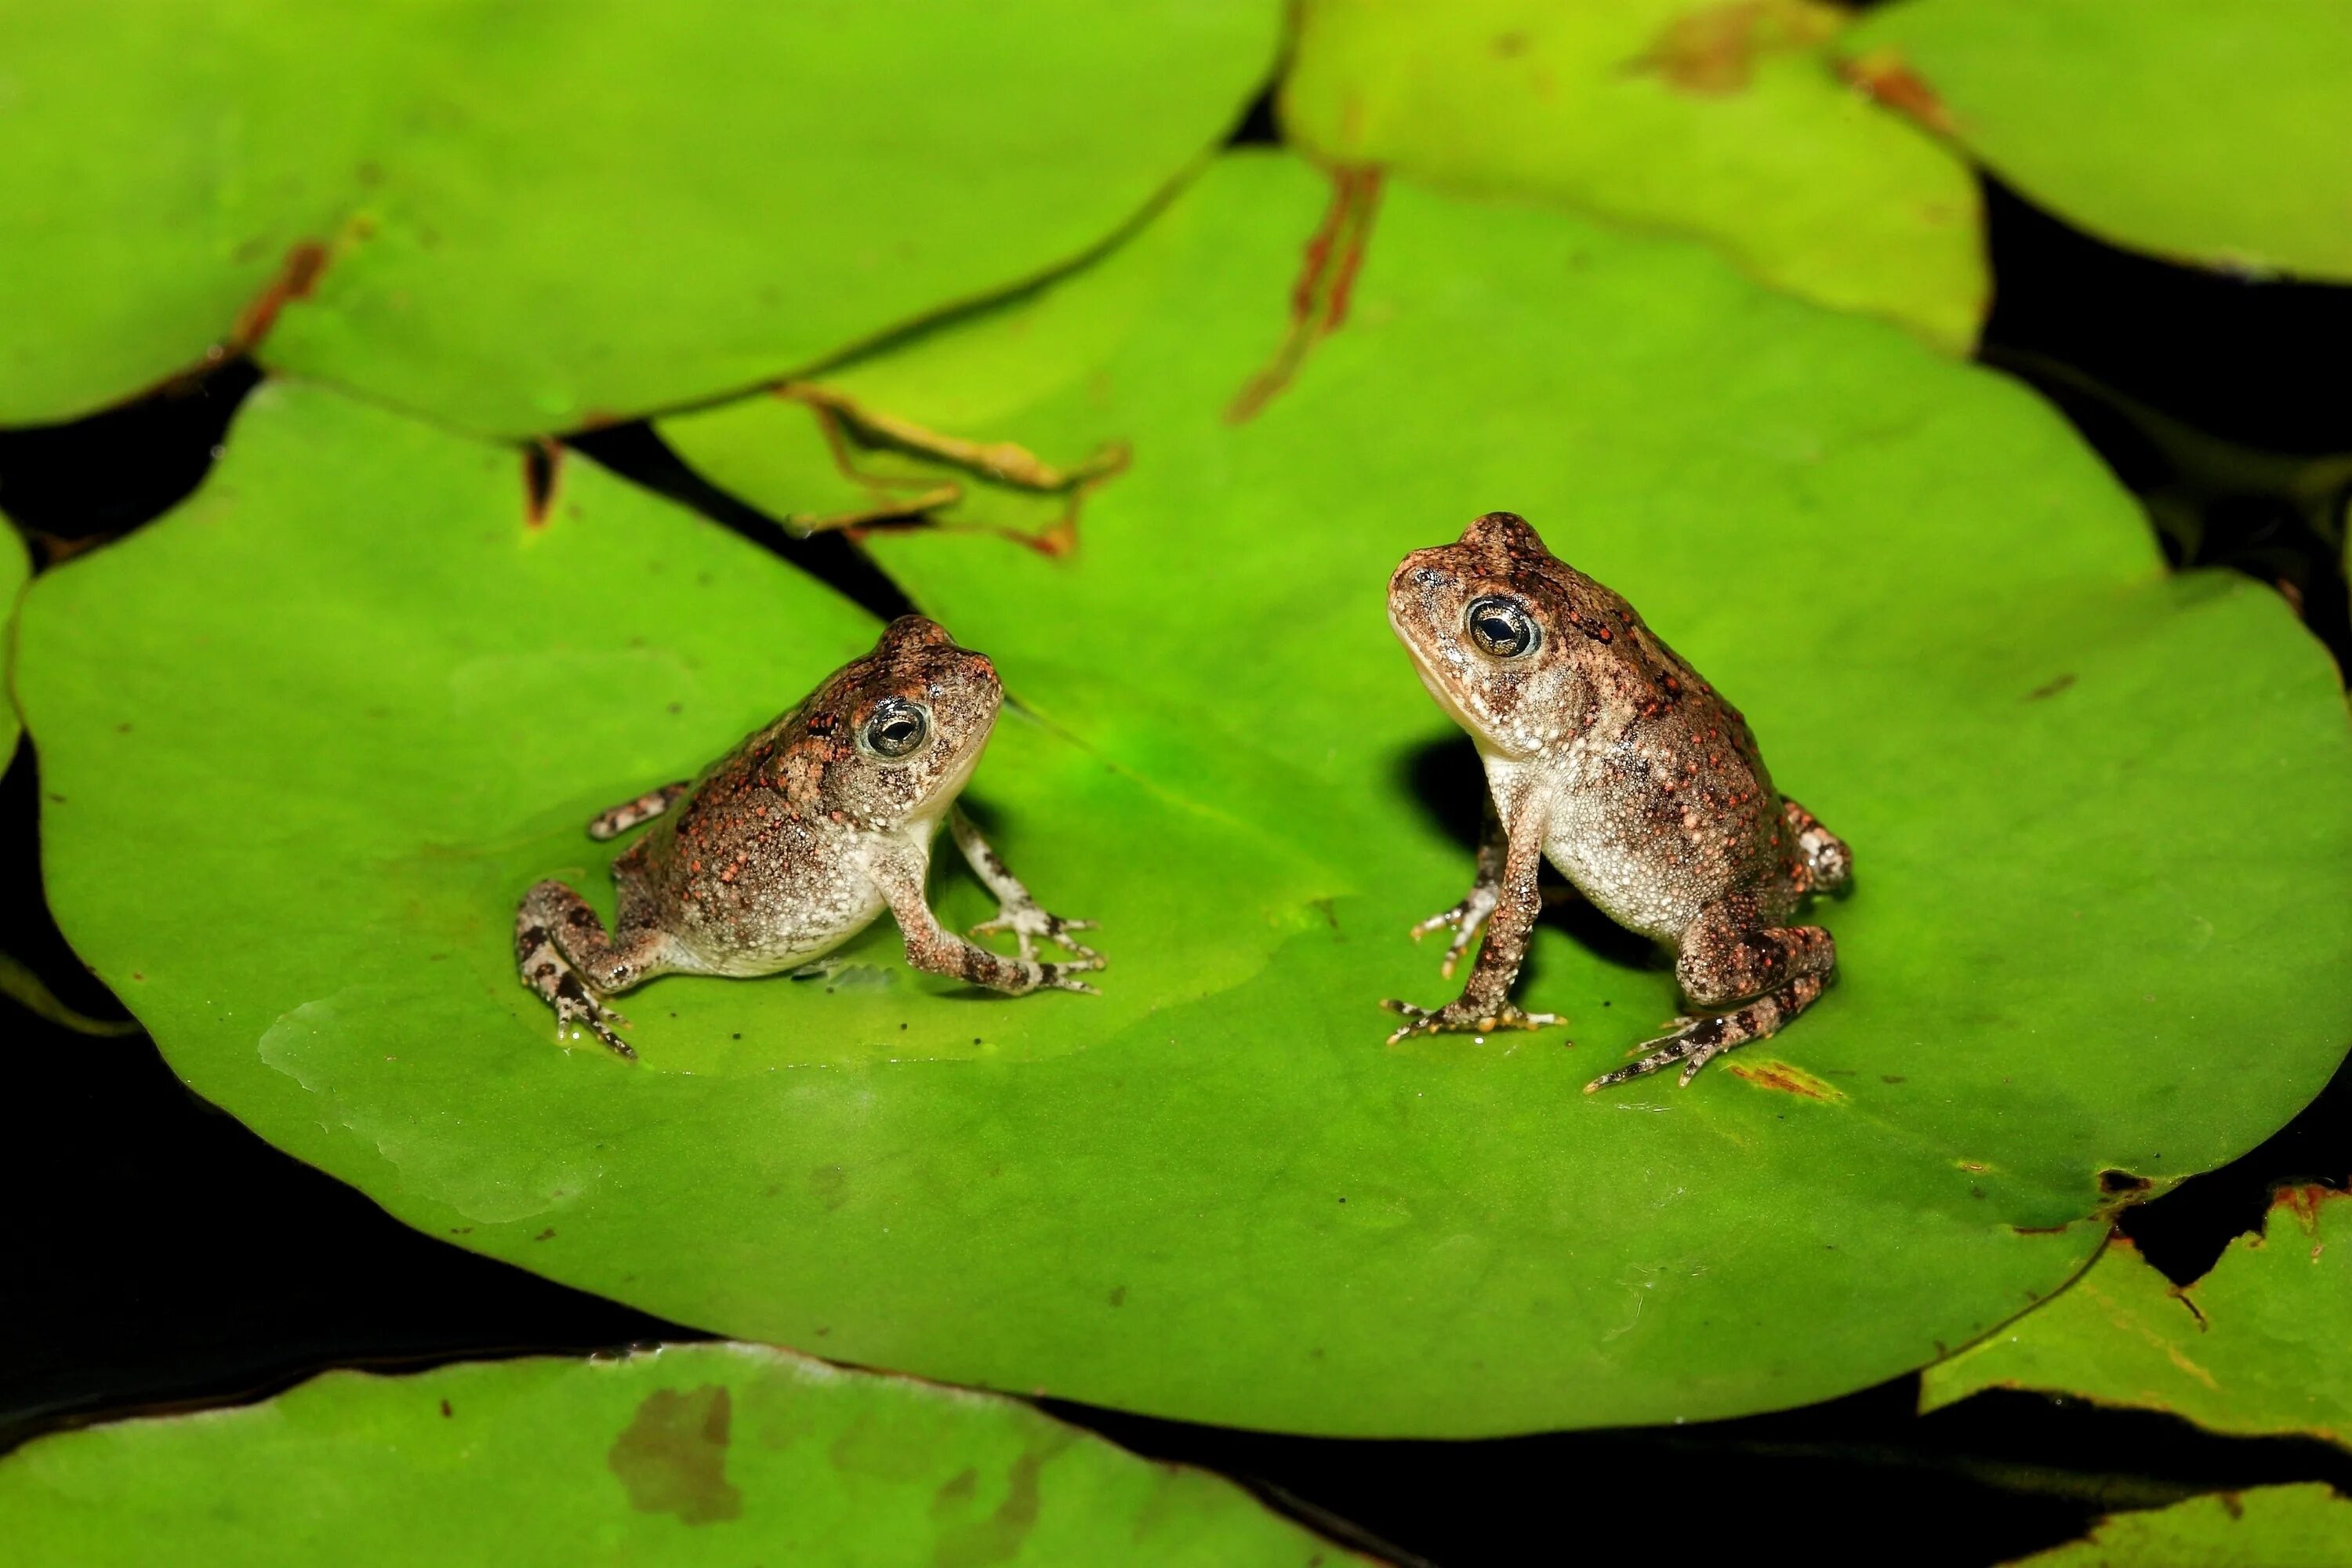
(1441, 693)
(948, 787)
(1433, 676)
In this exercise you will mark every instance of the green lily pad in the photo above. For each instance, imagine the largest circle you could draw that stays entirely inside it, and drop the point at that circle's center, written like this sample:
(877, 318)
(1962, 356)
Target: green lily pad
(700, 1454)
(2263, 1527)
(1719, 118)
(1946, 622)
(1211, 1191)
(15, 570)
(2211, 135)
(520, 219)
(2255, 1347)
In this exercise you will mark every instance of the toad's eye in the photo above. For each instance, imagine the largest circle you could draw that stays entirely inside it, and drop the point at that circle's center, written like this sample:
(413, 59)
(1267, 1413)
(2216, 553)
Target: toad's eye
(898, 728)
(1500, 627)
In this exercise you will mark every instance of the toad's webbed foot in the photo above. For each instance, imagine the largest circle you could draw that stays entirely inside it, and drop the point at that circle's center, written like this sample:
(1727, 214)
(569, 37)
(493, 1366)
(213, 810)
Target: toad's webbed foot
(1029, 923)
(1060, 976)
(1465, 918)
(562, 953)
(1700, 1041)
(546, 972)
(1459, 1018)
(1019, 913)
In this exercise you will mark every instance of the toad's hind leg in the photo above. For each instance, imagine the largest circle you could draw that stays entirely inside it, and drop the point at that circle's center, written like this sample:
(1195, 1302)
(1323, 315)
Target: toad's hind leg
(1701, 1040)
(615, 820)
(563, 954)
(1773, 973)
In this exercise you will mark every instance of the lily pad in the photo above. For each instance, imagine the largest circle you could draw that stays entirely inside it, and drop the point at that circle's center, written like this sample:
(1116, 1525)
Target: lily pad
(1719, 118)
(2263, 1527)
(2255, 1347)
(16, 570)
(528, 218)
(1211, 1191)
(700, 1454)
(1947, 623)
(2211, 135)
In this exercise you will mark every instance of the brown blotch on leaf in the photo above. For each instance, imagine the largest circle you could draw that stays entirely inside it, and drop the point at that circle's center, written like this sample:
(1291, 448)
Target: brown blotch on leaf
(955, 1491)
(1785, 1079)
(673, 1457)
(2303, 1202)
(297, 278)
(543, 463)
(997, 1538)
(2119, 1190)
(2051, 687)
(1712, 52)
(1883, 74)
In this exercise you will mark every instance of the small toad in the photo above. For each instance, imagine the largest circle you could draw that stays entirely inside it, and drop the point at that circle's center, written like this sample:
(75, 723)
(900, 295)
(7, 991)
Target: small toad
(1607, 753)
(792, 843)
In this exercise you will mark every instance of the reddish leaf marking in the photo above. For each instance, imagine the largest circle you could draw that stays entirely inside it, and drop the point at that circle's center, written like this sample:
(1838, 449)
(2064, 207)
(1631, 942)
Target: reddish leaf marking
(1712, 52)
(1780, 1076)
(2304, 1203)
(542, 461)
(1327, 279)
(1883, 74)
(297, 275)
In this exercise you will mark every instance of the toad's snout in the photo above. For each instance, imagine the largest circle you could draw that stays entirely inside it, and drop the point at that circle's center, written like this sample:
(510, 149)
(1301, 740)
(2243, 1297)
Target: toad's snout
(1417, 591)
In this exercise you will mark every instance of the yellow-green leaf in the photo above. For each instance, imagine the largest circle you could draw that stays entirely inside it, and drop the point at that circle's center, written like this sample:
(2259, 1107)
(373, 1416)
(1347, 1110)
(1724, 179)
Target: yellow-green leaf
(692, 1454)
(2208, 134)
(1724, 119)
(2263, 1527)
(523, 218)
(2255, 1347)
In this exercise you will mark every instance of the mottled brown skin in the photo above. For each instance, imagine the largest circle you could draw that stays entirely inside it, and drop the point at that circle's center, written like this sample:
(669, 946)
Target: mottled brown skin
(1607, 753)
(792, 843)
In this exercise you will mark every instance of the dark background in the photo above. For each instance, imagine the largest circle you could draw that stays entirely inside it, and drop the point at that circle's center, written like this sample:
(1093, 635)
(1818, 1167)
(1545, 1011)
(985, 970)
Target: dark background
(131, 1280)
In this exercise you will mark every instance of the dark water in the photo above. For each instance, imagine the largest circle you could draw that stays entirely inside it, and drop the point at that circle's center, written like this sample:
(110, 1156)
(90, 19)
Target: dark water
(134, 1276)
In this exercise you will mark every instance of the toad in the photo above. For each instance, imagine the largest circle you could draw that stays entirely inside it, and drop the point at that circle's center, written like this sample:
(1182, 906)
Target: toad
(794, 841)
(1608, 754)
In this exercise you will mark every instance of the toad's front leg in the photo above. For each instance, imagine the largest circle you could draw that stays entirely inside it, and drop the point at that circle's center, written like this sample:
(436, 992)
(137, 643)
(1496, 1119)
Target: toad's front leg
(900, 868)
(1485, 891)
(1016, 911)
(1774, 972)
(1485, 1004)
